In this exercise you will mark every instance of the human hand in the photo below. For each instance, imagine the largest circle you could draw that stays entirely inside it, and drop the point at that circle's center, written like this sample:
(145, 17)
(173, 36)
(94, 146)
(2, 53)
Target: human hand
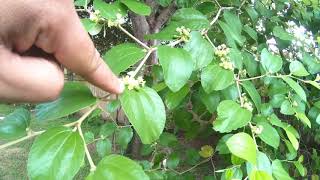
(54, 28)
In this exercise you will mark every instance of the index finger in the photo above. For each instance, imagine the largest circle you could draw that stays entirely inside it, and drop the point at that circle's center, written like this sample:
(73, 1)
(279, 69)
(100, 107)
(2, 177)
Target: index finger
(66, 38)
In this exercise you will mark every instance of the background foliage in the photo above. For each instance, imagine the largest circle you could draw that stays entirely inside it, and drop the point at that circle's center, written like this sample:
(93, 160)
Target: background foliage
(214, 90)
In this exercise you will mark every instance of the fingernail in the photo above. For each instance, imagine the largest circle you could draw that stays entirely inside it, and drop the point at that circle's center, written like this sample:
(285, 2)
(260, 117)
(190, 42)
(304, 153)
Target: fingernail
(121, 86)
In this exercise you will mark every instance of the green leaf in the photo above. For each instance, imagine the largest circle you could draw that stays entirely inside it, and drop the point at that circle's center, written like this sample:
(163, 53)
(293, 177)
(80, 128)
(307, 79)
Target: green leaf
(243, 146)
(15, 124)
(292, 138)
(192, 156)
(250, 64)
(173, 99)
(253, 93)
(109, 10)
(271, 63)
(123, 137)
(173, 160)
(107, 129)
(269, 134)
(88, 137)
(287, 108)
(82, 3)
(104, 147)
(303, 118)
(91, 27)
(296, 87)
(113, 105)
(231, 117)
(168, 139)
(222, 147)
(177, 66)
(297, 69)
(211, 101)
(74, 97)
(233, 35)
(263, 164)
(200, 49)
(314, 84)
(251, 32)
(279, 172)
(56, 154)
(260, 175)
(149, 119)
(137, 7)
(116, 167)
(167, 33)
(191, 18)
(281, 33)
(215, 78)
(300, 168)
(121, 57)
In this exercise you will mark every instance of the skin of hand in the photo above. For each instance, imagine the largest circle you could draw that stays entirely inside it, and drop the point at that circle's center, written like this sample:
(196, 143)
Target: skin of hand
(36, 37)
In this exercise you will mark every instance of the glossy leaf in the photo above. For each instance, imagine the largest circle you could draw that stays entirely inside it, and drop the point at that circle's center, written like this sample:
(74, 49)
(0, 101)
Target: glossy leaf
(56, 154)
(263, 164)
(260, 175)
(145, 111)
(109, 10)
(304, 119)
(253, 93)
(200, 49)
(297, 69)
(173, 99)
(92, 27)
(279, 172)
(215, 78)
(191, 18)
(137, 7)
(116, 167)
(15, 124)
(211, 101)
(269, 135)
(177, 66)
(104, 147)
(279, 32)
(74, 97)
(243, 146)
(123, 137)
(296, 87)
(121, 57)
(231, 117)
(271, 63)
(292, 138)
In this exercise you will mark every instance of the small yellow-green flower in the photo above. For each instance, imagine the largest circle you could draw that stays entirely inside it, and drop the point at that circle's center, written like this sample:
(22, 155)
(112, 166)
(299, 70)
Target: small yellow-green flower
(206, 151)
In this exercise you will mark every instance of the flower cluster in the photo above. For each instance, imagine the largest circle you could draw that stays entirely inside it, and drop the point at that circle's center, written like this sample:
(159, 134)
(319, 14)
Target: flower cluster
(222, 52)
(272, 46)
(118, 21)
(95, 16)
(246, 103)
(302, 38)
(133, 83)
(184, 33)
(257, 129)
(260, 26)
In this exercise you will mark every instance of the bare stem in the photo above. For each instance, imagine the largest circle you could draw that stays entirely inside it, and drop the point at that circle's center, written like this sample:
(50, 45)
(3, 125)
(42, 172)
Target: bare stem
(92, 166)
(134, 38)
(31, 135)
(253, 136)
(239, 90)
(185, 171)
(174, 43)
(142, 62)
(252, 78)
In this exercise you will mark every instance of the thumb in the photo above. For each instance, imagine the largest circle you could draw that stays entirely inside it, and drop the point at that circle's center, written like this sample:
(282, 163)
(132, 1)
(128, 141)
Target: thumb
(28, 79)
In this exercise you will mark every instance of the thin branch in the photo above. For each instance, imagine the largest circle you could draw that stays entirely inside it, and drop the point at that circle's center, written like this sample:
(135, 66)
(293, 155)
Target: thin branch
(207, 37)
(143, 62)
(92, 166)
(134, 38)
(193, 167)
(238, 88)
(253, 136)
(174, 43)
(252, 78)
(31, 135)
